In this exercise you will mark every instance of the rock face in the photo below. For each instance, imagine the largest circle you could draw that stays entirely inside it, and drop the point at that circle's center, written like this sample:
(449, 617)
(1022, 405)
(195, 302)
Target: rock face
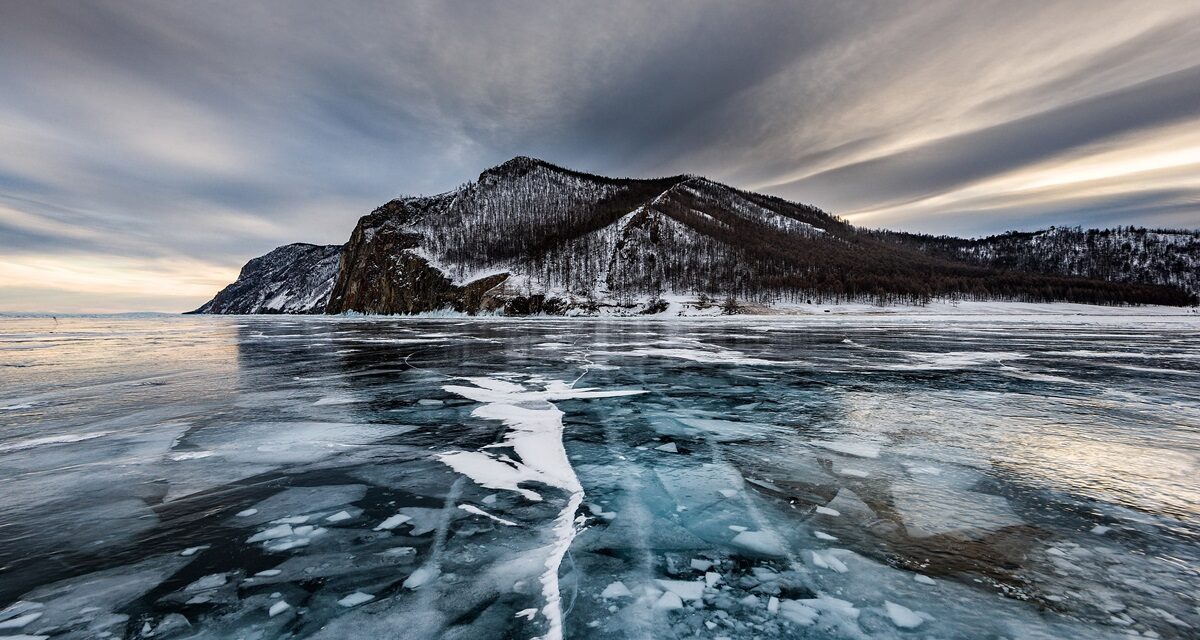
(294, 278)
(530, 237)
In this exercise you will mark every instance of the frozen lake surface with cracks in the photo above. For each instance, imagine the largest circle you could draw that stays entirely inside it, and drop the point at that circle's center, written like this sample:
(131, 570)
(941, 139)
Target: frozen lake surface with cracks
(744, 477)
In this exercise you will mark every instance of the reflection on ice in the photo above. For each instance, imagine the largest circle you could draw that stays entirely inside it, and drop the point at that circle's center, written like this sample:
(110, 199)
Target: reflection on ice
(741, 478)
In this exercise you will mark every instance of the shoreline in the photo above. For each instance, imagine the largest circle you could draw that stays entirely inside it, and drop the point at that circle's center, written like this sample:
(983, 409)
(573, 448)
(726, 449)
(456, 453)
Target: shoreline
(682, 310)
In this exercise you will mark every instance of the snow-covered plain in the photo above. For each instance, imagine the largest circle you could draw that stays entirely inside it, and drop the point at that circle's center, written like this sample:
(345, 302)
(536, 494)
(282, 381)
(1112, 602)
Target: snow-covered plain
(972, 471)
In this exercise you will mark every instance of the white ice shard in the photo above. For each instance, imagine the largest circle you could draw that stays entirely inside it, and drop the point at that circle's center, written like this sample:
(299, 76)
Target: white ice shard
(20, 622)
(355, 599)
(685, 589)
(826, 560)
(616, 590)
(278, 531)
(902, 616)
(798, 612)
(669, 601)
(392, 522)
(470, 508)
(760, 542)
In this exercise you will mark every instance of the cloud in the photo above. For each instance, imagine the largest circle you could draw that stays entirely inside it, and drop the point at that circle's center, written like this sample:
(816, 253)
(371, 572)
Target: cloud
(165, 138)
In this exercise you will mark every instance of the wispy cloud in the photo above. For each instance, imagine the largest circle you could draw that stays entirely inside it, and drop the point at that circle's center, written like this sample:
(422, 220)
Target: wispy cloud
(163, 144)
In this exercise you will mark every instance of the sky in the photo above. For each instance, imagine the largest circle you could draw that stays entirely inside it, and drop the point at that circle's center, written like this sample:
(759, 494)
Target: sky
(149, 148)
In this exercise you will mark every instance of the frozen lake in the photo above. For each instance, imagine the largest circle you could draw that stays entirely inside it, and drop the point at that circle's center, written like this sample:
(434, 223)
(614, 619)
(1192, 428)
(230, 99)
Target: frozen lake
(849, 477)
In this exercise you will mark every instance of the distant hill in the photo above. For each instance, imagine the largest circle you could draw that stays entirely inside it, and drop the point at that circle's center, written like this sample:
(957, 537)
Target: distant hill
(528, 236)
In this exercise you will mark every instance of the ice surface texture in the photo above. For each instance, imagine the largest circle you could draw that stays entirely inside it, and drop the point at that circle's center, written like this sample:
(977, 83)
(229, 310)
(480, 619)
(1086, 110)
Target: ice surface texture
(851, 477)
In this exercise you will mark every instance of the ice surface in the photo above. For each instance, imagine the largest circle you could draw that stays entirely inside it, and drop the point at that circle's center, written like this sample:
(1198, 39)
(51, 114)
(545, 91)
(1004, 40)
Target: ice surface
(851, 448)
(928, 509)
(912, 482)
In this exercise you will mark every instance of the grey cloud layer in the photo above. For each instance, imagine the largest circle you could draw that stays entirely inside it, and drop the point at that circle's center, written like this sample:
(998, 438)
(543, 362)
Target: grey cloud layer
(217, 130)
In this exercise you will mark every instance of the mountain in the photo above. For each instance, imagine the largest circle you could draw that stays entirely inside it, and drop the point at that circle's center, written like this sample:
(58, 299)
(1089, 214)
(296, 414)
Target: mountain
(1124, 254)
(294, 278)
(528, 237)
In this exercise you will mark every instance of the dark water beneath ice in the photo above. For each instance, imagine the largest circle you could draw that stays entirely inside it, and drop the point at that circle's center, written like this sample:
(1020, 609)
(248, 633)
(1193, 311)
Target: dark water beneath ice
(750, 477)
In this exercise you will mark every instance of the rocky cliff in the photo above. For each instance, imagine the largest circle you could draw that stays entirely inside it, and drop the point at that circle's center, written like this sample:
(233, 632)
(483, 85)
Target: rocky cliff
(294, 278)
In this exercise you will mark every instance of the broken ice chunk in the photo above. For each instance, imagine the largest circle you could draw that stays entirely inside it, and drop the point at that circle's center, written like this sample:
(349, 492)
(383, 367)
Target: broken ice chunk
(278, 608)
(20, 622)
(1100, 529)
(798, 612)
(669, 601)
(528, 614)
(826, 511)
(339, 516)
(668, 447)
(902, 616)
(616, 590)
(826, 560)
(923, 579)
(823, 536)
(470, 508)
(711, 579)
(773, 605)
(191, 551)
(246, 513)
(281, 531)
(20, 608)
(268, 573)
(355, 599)
(728, 493)
(207, 582)
(701, 565)
(737, 527)
(760, 542)
(685, 589)
(392, 522)
(830, 604)
(420, 577)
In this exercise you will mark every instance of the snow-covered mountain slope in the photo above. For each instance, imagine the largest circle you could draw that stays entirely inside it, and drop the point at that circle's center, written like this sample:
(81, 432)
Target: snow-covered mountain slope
(1124, 254)
(294, 278)
(528, 236)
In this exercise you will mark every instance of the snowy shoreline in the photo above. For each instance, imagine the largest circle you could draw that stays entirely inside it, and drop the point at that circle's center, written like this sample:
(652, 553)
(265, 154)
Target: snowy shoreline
(681, 309)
